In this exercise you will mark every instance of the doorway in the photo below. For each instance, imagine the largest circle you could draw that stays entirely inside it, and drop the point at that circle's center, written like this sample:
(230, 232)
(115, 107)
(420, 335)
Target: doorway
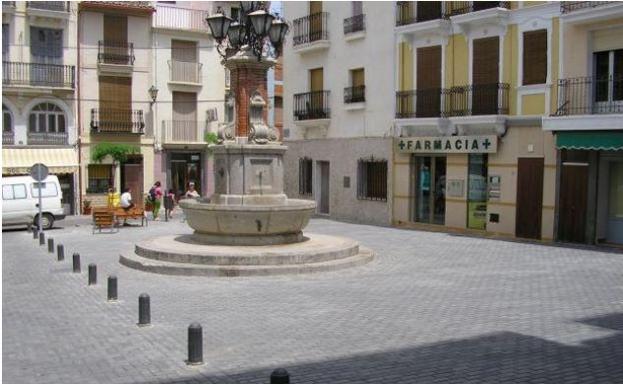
(185, 168)
(430, 189)
(132, 177)
(529, 207)
(323, 199)
(573, 199)
(67, 188)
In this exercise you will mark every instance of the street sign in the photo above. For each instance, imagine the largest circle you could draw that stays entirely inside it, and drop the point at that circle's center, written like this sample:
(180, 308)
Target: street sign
(39, 172)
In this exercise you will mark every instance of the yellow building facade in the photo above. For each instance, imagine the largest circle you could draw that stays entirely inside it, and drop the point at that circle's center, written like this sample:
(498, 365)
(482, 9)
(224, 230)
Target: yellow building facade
(473, 82)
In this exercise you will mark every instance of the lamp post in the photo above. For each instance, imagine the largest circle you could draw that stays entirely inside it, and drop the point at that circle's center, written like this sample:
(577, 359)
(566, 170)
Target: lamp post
(249, 47)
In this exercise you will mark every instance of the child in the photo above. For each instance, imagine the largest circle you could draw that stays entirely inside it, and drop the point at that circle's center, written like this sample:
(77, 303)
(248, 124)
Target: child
(171, 197)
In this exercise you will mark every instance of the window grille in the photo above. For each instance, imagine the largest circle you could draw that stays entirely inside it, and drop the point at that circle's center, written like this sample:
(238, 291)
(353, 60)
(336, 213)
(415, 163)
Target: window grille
(372, 179)
(305, 176)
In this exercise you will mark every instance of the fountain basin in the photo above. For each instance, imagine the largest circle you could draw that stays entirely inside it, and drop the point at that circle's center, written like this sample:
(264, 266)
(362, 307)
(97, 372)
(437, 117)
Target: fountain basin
(248, 224)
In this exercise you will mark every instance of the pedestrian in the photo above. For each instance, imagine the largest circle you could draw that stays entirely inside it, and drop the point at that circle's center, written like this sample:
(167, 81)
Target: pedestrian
(171, 203)
(126, 202)
(191, 193)
(155, 196)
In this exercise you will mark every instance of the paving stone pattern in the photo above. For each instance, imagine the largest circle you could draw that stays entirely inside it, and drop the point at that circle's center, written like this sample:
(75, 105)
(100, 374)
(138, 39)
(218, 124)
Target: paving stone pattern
(431, 308)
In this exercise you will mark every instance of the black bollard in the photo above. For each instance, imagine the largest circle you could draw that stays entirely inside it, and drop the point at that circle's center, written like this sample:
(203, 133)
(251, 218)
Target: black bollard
(76, 263)
(41, 238)
(195, 344)
(51, 245)
(92, 274)
(35, 234)
(112, 288)
(144, 317)
(60, 251)
(280, 376)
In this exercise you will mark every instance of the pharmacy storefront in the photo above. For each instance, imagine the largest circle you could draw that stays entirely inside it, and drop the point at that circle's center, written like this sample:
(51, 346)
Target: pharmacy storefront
(471, 182)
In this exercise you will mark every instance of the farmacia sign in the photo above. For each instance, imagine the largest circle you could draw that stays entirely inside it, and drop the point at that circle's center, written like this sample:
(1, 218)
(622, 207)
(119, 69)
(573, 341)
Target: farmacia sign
(448, 144)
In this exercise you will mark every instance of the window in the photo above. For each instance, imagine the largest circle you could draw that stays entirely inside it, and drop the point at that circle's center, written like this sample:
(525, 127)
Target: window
(305, 176)
(47, 190)
(100, 177)
(46, 117)
(235, 13)
(535, 57)
(357, 91)
(477, 191)
(7, 119)
(46, 45)
(13, 191)
(372, 179)
(5, 41)
(608, 75)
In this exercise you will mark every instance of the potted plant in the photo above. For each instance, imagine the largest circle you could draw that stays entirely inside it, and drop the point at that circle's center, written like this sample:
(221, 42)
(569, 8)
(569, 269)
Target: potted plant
(86, 207)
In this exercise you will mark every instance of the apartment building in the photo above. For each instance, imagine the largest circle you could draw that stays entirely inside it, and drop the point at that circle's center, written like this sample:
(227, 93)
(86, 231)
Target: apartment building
(473, 81)
(191, 85)
(115, 60)
(588, 123)
(39, 91)
(338, 108)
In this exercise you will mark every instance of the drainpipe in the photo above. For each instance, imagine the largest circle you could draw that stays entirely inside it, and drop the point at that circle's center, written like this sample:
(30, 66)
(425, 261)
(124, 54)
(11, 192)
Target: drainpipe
(79, 113)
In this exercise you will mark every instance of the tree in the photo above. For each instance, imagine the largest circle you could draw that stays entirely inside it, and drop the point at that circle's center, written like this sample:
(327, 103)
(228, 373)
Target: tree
(117, 152)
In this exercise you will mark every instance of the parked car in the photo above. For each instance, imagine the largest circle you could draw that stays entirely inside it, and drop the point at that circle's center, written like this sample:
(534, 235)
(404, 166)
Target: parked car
(20, 199)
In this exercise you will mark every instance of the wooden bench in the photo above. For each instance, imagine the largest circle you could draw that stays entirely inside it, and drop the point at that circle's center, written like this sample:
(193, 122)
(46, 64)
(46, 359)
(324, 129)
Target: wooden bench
(132, 213)
(102, 218)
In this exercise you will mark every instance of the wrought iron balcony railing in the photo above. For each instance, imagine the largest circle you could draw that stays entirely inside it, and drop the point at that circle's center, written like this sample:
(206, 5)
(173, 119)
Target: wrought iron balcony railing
(38, 75)
(570, 6)
(590, 95)
(477, 99)
(355, 94)
(311, 28)
(180, 131)
(355, 24)
(59, 6)
(184, 72)
(312, 105)
(468, 100)
(180, 18)
(8, 138)
(420, 103)
(117, 120)
(47, 138)
(409, 12)
(454, 8)
(115, 52)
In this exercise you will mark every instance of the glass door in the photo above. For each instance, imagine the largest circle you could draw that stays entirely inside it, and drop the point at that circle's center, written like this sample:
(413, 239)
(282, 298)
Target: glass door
(430, 189)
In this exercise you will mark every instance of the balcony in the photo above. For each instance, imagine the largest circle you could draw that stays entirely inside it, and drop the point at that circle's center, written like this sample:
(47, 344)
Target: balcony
(57, 6)
(182, 72)
(311, 33)
(113, 120)
(571, 6)
(477, 99)
(463, 7)
(590, 95)
(355, 94)
(355, 25)
(8, 138)
(311, 105)
(420, 103)
(182, 132)
(185, 19)
(38, 75)
(47, 138)
(115, 52)
(409, 12)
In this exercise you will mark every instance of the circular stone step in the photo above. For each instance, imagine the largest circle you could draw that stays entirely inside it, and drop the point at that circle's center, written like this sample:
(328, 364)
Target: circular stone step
(174, 255)
(182, 249)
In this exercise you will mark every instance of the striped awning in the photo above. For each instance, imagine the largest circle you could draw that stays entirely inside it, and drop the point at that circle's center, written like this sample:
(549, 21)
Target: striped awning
(18, 161)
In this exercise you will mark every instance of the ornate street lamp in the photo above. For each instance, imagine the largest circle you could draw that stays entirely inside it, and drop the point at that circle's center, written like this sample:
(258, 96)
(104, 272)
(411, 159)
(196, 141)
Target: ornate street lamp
(153, 93)
(256, 29)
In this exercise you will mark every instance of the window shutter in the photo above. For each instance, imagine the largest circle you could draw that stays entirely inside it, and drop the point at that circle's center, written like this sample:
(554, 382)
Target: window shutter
(429, 67)
(486, 61)
(535, 57)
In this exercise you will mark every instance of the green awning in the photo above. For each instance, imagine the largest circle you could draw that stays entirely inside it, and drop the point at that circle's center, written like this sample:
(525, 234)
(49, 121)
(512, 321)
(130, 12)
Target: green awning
(597, 140)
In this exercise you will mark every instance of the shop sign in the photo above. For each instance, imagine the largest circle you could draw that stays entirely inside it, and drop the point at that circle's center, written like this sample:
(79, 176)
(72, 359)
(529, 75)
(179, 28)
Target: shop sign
(449, 144)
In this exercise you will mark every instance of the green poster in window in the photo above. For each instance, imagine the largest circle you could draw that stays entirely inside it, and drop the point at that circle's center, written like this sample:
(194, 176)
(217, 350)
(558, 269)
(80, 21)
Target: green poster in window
(477, 215)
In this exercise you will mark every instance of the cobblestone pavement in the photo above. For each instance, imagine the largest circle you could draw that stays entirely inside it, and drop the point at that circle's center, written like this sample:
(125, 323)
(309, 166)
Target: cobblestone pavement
(431, 308)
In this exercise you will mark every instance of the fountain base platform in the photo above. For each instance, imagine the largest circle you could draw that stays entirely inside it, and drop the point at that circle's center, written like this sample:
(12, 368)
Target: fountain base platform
(187, 255)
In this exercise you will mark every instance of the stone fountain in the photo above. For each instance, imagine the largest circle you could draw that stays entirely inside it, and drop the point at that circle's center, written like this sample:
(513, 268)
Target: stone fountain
(248, 226)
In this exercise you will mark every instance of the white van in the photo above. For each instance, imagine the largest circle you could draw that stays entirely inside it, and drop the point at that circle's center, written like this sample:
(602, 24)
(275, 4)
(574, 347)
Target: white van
(20, 199)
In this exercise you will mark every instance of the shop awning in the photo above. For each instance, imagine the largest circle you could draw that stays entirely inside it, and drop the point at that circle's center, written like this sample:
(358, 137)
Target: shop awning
(17, 161)
(599, 140)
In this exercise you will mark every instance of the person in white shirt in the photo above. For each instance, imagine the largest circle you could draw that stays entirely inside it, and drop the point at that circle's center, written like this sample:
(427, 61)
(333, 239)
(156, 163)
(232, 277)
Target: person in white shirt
(192, 192)
(126, 199)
